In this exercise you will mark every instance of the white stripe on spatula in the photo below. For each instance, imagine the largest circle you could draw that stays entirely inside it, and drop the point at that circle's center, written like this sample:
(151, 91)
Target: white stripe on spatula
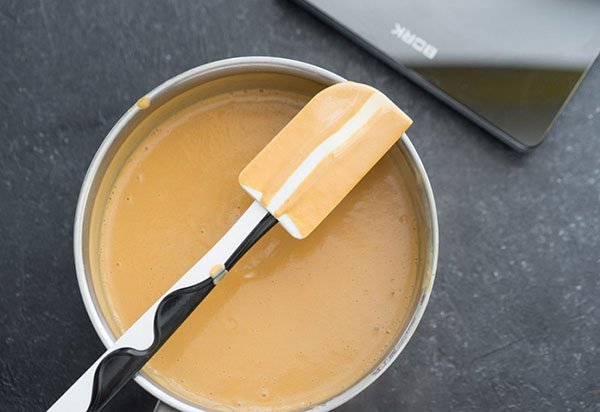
(328, 146)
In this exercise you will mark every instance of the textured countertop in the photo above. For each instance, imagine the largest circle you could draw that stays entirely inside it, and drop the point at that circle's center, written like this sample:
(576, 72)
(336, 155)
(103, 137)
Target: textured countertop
(513, 322)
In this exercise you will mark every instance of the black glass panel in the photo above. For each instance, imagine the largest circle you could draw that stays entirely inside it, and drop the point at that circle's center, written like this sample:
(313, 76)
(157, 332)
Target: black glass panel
(509, 65)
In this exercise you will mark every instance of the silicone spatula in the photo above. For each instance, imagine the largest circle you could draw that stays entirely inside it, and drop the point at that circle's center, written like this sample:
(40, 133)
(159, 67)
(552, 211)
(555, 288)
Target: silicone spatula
(296, 180)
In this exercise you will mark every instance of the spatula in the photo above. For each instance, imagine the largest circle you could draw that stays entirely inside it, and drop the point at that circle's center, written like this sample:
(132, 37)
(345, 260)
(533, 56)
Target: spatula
(296, 180)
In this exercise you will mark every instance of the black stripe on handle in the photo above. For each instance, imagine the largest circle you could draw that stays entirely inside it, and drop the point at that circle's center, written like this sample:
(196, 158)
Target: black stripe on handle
(115, 370)
(263, 227)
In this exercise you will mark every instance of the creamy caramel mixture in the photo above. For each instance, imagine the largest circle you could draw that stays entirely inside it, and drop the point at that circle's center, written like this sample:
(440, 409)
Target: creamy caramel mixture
(295, 322)
(317, 158)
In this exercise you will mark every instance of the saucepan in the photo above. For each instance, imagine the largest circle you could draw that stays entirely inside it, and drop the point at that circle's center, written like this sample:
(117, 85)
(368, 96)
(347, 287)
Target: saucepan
(118, 145)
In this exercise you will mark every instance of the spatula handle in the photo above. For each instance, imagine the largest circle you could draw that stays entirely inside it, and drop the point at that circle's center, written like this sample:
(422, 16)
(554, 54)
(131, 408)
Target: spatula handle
(120, 365)
(92, 391)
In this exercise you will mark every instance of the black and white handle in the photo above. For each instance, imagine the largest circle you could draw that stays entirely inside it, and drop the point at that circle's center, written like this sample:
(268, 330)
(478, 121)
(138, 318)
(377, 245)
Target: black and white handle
(92, 391)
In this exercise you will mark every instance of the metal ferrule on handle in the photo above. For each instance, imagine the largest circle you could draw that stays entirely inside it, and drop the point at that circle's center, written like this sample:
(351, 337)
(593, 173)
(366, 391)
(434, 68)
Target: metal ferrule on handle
(92, 391)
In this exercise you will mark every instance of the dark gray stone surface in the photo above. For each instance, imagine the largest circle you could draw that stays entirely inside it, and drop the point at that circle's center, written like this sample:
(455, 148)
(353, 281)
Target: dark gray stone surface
(513, 322)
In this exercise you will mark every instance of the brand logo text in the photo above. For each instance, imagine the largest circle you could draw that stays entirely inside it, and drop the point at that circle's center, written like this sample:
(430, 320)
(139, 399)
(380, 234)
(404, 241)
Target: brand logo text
(416, 42)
